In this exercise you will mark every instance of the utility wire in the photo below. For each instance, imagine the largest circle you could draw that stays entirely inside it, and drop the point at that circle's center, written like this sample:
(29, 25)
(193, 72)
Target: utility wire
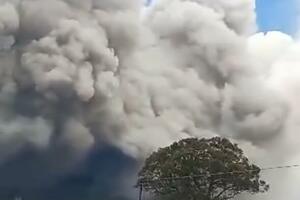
(146, 181)
(280, 167)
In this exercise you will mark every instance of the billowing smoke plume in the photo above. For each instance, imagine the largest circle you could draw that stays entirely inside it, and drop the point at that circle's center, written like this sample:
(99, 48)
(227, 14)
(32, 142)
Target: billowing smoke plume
(89, 88)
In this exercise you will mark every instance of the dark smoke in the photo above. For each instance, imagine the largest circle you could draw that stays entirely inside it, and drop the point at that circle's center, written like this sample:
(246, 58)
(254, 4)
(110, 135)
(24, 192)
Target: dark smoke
(102, 175)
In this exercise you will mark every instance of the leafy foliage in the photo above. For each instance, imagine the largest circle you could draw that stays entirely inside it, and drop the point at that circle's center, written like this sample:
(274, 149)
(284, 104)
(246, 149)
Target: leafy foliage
(213, 169)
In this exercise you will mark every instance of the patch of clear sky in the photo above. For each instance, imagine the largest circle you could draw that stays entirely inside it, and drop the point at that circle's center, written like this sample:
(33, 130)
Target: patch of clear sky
(278, 15)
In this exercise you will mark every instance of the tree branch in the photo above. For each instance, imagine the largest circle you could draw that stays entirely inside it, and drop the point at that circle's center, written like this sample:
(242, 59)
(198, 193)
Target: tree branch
(222, 192)
(233, 195)
(210, 187)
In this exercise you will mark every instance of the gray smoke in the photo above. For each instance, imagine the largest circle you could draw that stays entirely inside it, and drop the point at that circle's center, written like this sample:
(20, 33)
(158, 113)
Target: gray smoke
(111, 79)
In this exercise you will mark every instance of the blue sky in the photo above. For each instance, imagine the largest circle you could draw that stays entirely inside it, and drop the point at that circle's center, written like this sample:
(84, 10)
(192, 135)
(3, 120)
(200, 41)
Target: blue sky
(279, 15)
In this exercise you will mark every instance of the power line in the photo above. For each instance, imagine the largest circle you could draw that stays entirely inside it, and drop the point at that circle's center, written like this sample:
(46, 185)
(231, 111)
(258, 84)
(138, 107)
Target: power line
(280, 167)
(145, 181)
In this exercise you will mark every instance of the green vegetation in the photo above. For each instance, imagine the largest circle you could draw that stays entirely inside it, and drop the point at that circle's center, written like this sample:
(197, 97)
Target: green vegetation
(212, 169)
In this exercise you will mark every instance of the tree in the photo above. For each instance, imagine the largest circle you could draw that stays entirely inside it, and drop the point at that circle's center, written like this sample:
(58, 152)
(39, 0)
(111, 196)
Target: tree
(211, 169)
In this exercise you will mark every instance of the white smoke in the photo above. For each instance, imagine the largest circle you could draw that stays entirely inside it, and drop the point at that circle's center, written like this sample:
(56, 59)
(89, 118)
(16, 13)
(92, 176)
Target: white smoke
(277, 55)
(77, 75)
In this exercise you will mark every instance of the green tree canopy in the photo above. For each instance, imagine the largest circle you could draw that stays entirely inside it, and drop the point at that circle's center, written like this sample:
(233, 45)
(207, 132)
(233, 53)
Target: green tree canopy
(212, 169)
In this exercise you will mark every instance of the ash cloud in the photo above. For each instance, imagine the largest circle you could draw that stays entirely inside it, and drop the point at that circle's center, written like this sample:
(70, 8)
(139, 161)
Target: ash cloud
(94, 86)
